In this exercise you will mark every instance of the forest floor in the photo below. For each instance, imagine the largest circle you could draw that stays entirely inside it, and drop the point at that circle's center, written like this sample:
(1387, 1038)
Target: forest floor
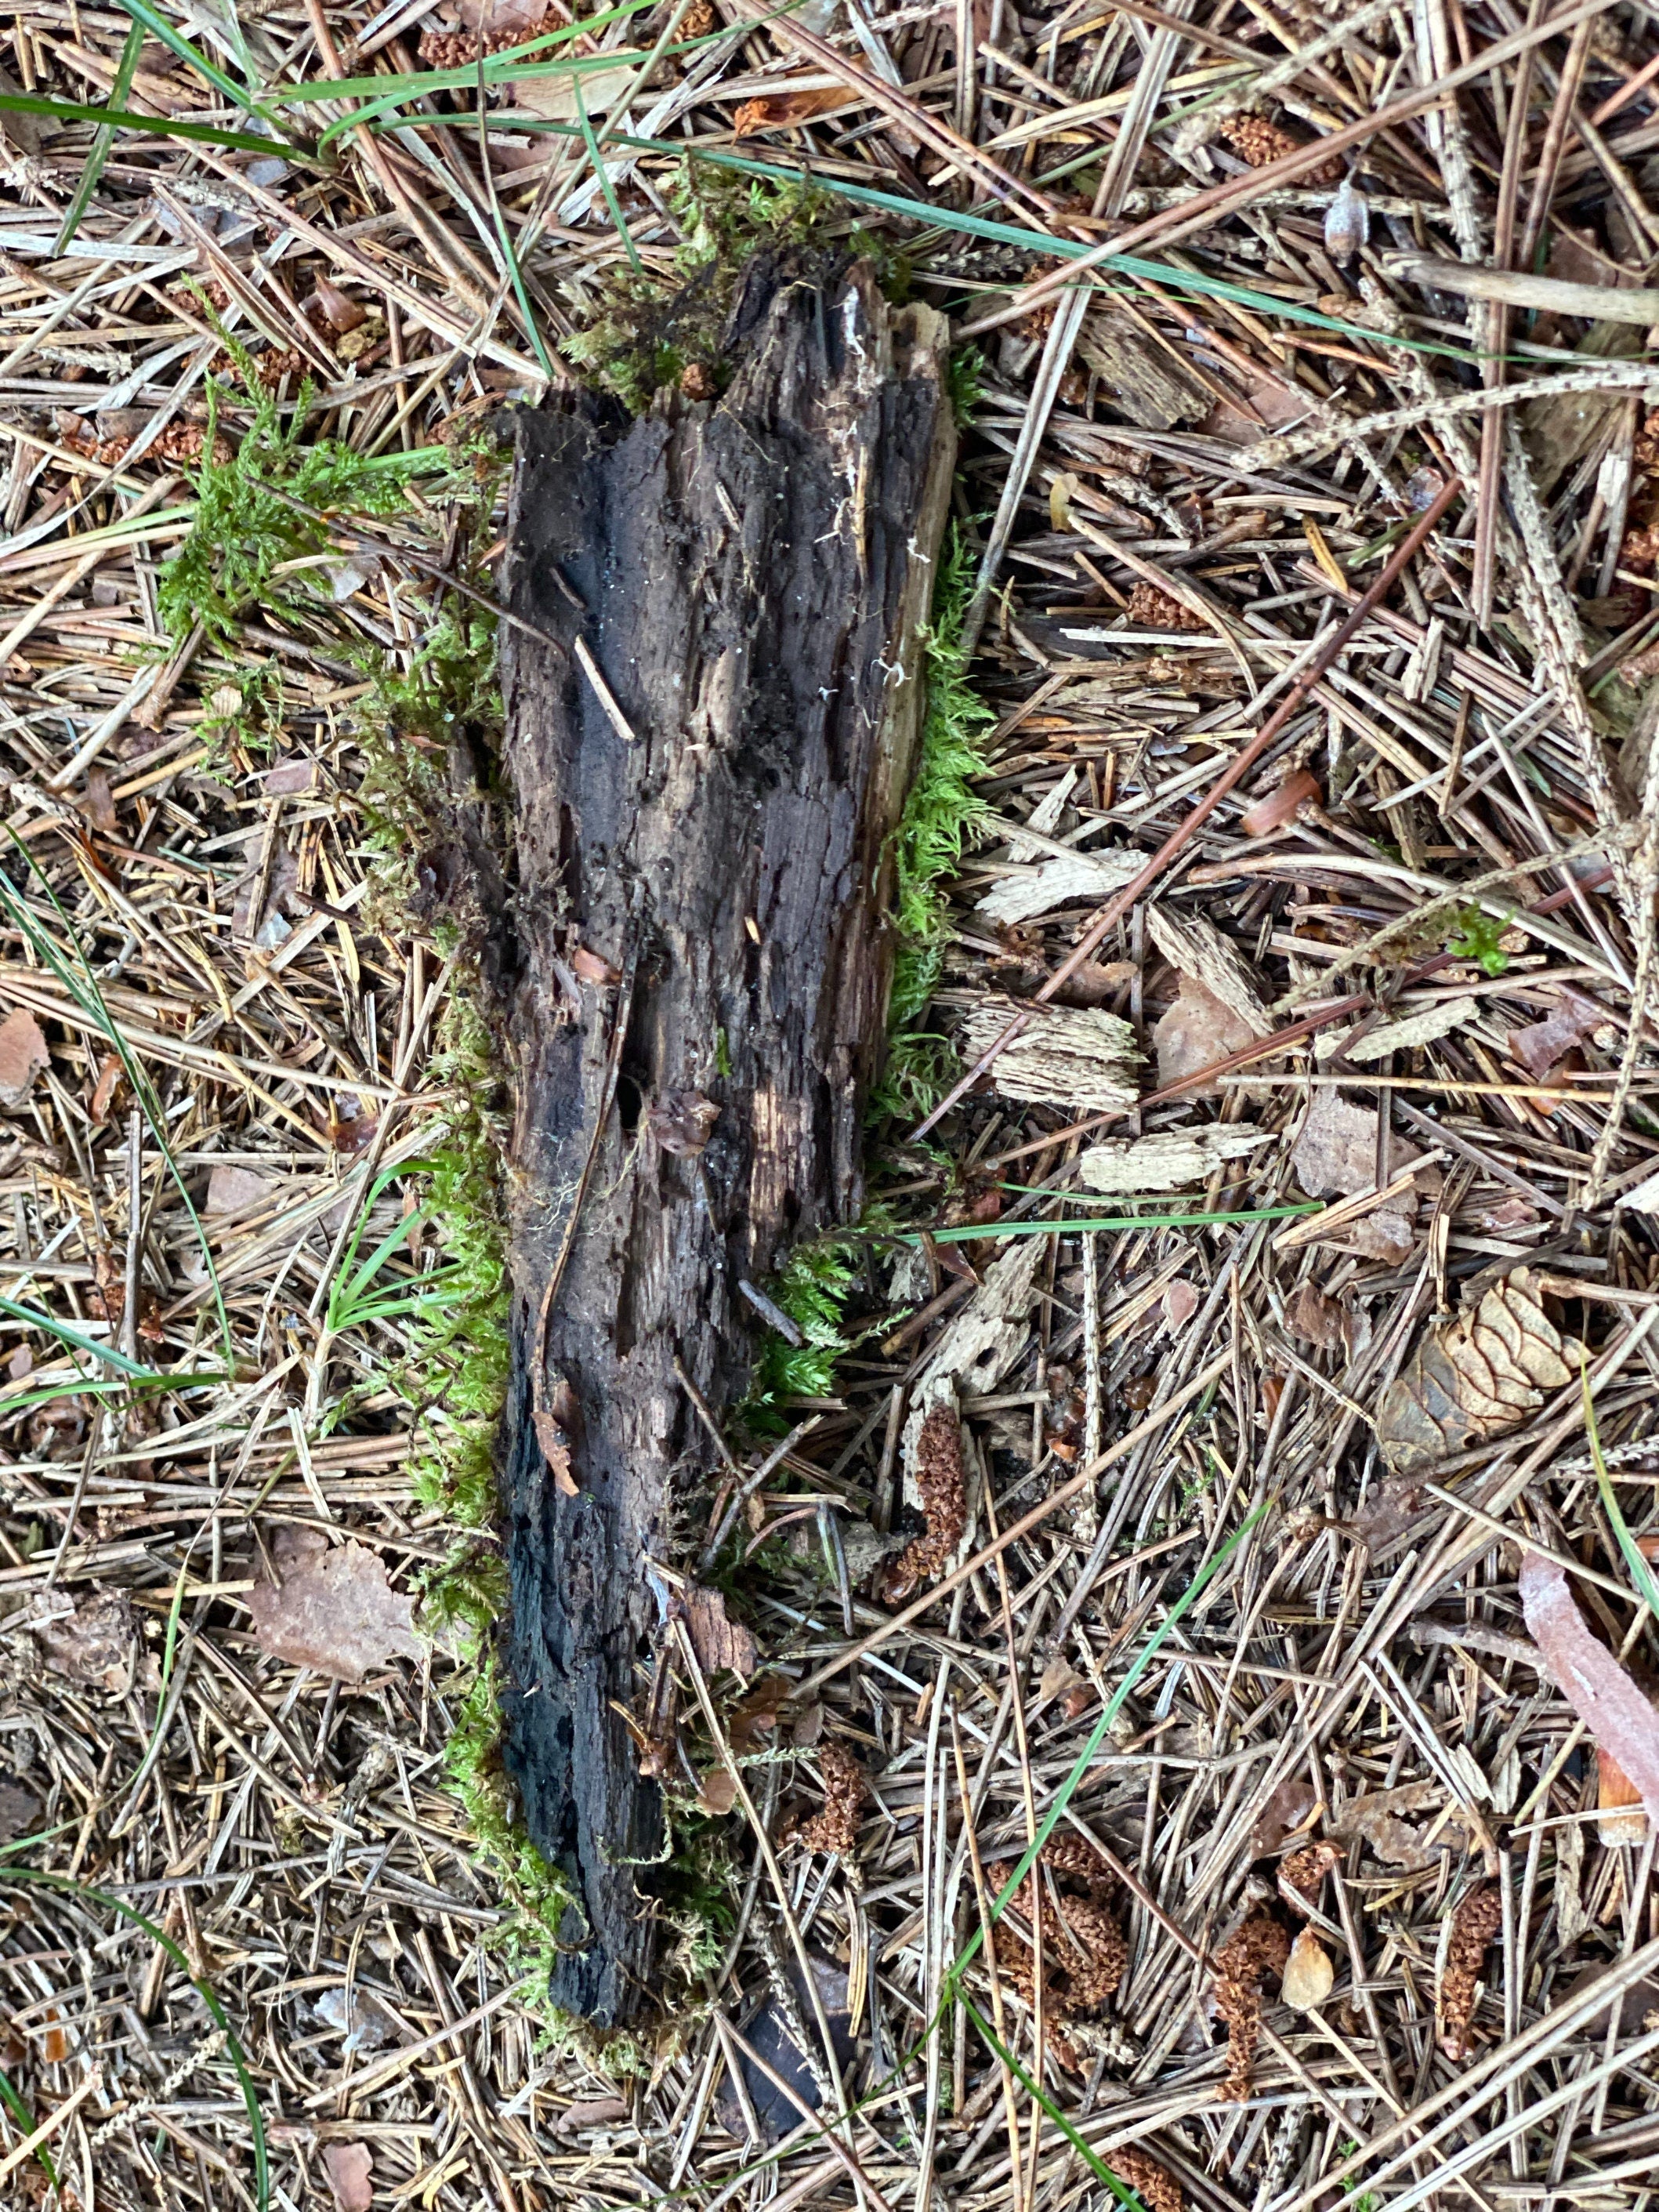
(1291, 1269)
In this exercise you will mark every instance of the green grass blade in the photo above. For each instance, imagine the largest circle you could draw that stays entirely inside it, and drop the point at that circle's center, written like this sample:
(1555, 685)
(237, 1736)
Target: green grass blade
(159, 126)
(19, 2110)
(1640, 1573)
(204, 1990)
(73, 1338)
(602, 175)
(1070, 1228)
(1090, 2157)
(156, 23)
(125, 70)
(508, 65)
(1085, 1758)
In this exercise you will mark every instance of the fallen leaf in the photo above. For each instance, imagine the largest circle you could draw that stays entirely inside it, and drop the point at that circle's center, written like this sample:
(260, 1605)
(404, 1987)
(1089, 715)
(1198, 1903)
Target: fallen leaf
(1309, 1975)
(1335, 1154)
(1058, 1677)
(21, 1365)
(780, 111)
(23, 1055)
(1181, 1303)
(757, 1714)
(291, 777)
(98, 805)
(333, 1609)
(109, 1081)
(1198, 1031)
(719, 1790)
(19, 1808)
(233, 1190)
(1374, 1820)
(1314, 1318)
(592, 2113)
(554, 98)
(1286, 1811)
(1475, 1377)
(1167, 1160)
(95, 1642)
(1077, 1057)
(350, 2172)
(719, 1641)
(1618, 1714)
(1540, 1046)
(362, 2020)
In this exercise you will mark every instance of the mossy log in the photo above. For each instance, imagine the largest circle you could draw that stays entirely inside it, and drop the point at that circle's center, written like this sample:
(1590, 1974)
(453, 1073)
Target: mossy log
(714, 695)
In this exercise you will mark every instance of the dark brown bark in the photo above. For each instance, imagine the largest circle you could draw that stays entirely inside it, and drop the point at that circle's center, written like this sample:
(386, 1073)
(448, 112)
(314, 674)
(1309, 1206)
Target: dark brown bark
(750, 576)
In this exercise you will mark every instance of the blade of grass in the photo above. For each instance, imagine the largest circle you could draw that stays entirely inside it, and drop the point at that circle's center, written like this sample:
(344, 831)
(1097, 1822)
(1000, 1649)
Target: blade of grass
(125, 70)
(1090, 2156)
(515, 274)
(153, 20)
(65, 1334)
(1085, 1758)
(962, 1236)
(19, 2108)
(1640, 1573)
(611, 201)
(204, 1990)
(159, 126)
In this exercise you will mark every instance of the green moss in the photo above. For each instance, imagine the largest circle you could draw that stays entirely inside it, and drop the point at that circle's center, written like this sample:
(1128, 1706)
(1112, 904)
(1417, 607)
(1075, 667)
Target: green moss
(942, 816)
(1478, 936)
(812, 1287)
(246, 529)
(645, 332)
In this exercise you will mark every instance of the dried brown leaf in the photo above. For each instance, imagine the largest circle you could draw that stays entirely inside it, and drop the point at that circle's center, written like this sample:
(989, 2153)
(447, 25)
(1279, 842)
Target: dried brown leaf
(1476, 1377)
(1287, 1810)
(1375, 1820)
(23, 1056)
(332, 1609)
(1316, 1319)
(351, 2170)
(1335, 1154)
(94, 1642)
(1198, 1031)
(781, 111)
(1309, 1975)
(1542, 1045)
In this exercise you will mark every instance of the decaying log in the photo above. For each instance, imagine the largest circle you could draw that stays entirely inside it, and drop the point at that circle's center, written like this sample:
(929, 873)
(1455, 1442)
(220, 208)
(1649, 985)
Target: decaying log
(709, 757)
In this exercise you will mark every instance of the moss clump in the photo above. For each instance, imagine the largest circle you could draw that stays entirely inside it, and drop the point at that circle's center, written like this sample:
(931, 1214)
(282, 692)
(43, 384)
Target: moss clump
(942, 816)
(812, 1287)
(648, 331)
(248, 526)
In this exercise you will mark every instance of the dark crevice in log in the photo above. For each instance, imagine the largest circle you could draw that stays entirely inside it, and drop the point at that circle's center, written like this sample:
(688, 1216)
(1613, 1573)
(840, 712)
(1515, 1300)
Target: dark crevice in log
(750, 576)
